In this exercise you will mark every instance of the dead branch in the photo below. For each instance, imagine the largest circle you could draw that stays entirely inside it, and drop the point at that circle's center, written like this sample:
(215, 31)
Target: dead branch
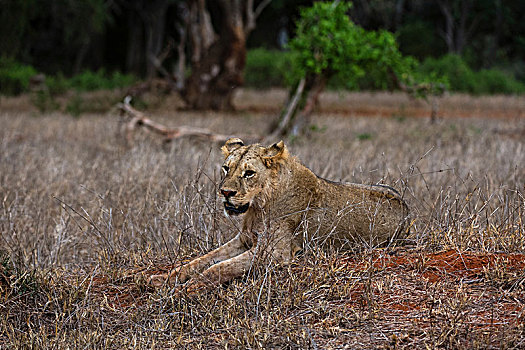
(290, 110)
(137, 119)
(252, 14)
(157, 63)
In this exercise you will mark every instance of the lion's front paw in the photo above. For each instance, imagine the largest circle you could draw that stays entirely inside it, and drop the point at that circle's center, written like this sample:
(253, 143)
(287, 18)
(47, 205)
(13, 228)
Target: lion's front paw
(178, 275)
(158, 280)
(195, 287)
(182, 273)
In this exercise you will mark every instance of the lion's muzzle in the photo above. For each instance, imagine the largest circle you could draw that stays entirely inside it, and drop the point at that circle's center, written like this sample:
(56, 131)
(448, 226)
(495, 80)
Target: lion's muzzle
(228, 193)
(235, 210)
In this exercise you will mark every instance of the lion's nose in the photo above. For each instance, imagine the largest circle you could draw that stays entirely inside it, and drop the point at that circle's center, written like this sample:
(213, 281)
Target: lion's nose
(228, 193)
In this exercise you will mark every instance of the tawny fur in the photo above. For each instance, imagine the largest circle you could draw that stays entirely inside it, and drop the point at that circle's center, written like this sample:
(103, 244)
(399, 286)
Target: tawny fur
(283, 205)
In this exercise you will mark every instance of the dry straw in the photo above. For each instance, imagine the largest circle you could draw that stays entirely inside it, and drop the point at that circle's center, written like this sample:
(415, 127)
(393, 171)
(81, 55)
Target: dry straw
(85, 220)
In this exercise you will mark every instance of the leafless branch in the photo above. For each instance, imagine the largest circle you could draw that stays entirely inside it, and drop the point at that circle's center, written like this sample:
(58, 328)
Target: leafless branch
(157, 63)
(252, 14)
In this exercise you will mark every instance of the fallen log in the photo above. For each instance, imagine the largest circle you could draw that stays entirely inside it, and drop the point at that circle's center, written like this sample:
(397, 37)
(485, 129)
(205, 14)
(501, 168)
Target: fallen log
(136, 119)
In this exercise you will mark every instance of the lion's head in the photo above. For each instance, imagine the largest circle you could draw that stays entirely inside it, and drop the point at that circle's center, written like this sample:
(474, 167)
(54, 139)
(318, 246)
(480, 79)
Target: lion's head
(246, 171)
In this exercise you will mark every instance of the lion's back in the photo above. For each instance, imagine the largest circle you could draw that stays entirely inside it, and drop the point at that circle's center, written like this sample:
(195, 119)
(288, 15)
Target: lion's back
(350, 214)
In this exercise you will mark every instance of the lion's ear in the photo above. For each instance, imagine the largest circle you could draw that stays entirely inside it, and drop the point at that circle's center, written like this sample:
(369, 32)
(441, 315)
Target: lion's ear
(231, 145)
(275, 153)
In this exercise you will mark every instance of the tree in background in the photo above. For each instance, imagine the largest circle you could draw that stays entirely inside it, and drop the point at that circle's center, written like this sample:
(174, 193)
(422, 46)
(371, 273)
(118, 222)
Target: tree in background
(175, 38)
(213, 34)
(218, 56)
(54, 34)
(458, 23)
(327, 42)
(146, 32)
(15, 16)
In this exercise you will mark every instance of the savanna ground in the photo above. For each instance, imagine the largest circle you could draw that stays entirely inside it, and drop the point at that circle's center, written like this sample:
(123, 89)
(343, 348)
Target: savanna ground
(85, 220)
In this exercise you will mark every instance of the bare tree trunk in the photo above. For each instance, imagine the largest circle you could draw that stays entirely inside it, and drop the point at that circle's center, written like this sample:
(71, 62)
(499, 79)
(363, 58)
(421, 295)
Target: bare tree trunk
(435, 109)
(200, 30)
(288, 113)
(135, 46)
(457, 30)
(218, 59)
(448, 33)
(219, 71)
(217, 65)
(491, 54)
(399, 9)
(295, 117)
(154, 21)
(182, 29)
(463, 32)
(81, 55)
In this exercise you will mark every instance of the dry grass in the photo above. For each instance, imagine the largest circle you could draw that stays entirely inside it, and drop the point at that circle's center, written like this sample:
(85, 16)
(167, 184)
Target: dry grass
(83, 219)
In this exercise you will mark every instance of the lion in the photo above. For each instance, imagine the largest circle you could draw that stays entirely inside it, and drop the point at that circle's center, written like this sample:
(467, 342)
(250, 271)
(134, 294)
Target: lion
(283, 206)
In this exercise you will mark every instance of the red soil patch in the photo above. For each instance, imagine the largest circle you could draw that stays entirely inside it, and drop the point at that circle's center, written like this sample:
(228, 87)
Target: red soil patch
(486, 289)
(444, 265)
(388, 112)
(123, 293)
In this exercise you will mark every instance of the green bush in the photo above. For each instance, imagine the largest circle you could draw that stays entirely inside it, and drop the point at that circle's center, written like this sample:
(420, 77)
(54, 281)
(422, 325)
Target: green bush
(80, 103)
(266, 68)
(44, 101)
(99, 80)
(458, 73)
(89, 81)
(14, 77)
(328, 43)
(57, 84)
(462, 78)
(495, 81)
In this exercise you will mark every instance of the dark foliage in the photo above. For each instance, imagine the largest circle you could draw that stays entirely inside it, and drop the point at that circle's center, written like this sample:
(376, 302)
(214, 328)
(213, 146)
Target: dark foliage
(70, 36)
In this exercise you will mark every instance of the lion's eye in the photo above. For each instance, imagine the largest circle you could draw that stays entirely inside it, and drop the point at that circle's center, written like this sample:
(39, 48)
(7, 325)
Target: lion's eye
(225, 169)
(248, 173)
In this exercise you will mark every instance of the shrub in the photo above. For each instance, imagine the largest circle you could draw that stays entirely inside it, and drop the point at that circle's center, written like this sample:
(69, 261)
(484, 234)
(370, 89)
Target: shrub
(14, 77)
(44, 101)
(266, 68)
(57, 84)
(99, 80)
(495, 81)
(462, 78)
(81, 103)
(458, 73)
(120, 80)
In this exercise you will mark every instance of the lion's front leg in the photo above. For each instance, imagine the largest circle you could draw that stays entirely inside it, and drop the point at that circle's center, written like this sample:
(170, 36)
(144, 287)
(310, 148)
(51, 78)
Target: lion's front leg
(276, 247)
(222, 272)
(229, 250)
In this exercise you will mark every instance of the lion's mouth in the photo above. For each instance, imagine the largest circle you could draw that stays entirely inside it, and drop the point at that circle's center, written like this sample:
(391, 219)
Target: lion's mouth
(233, 210)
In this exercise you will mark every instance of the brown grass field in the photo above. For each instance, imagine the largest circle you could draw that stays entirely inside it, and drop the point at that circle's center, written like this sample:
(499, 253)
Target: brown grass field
(85, 220)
